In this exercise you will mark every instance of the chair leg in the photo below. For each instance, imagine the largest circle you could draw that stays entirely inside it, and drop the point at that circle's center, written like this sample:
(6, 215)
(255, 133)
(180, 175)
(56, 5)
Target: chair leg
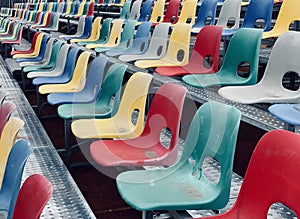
(147, 215)
(67, 124)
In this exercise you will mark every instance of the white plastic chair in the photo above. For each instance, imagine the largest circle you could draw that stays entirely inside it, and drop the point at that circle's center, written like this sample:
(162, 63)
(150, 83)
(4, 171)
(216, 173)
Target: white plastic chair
(231, 9)
(157, 46)
(80, 29)
(135, 10)
(284, 58)
(59, 68)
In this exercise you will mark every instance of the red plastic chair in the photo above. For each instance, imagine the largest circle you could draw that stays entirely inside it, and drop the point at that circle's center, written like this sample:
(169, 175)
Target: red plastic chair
(31, 48)
(33, 196)
(5, 113)
(273, 175)
(91, 9)
(147, 148)
(171, 14)
(207, 45)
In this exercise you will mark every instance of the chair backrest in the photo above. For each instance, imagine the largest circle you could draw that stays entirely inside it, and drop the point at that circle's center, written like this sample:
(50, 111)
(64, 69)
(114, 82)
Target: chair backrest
(212, 133)
(70, 63)
(179, 44)
(60, 7)
(230, 11)
(95, 28)
(141, 40)
(157, 11)
(283, 59)
(125, 11)
(5, 113)
(90, 11)
(135, 10)
(258, 10)
(171, 14)
(80, 26)
(111, 88)
(13, 175)
(134, 99)
(7, 140)
(48, 50)
(207, 46)
(275, 162)
(87, 27)
(128, 33)
(80, 9)
(33, 196)
(207, 13)
(105, 30)
(244, 46)
(172, 97)
(146, 11)
(62, 57)
(115, 33)
(188, 11)
(289, 12)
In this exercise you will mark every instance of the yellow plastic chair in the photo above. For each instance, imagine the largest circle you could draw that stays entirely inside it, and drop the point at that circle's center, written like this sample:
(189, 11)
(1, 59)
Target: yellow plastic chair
(177, 52)
(157, 11)
(289, 12)
(36, 50)
(43, 24)
(41, 6)
(120, 125)
(68, 9)
(114, 37)
(119, 4)
(7, 140)
(95, 34)
(80, 9)
(188, 12)
(77, 82)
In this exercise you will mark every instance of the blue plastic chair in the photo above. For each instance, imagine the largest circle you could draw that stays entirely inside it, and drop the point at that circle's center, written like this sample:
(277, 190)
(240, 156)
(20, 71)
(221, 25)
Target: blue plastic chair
(207, 10)
(41, 53)
(104, 33)
(288, 113)
(256, 9)
(87, 29)
(146, 11)
(91, 88)
(13, 176)
(139, 44)
(67, 73)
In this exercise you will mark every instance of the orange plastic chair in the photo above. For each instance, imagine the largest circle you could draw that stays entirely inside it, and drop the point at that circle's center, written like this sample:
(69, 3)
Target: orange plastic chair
(147, 149)
(273, 175)
(33, 197)
(121, 124)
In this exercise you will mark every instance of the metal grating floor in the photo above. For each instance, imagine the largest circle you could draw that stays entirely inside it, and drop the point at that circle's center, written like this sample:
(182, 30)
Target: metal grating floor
(67, 201)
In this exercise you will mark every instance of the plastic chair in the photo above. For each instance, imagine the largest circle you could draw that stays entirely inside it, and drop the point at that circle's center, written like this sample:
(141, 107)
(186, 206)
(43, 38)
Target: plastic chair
(7, 140)
(59, 66)
(36, 50)
(126, 38)
(178, 49)
(283, 59)
(67, 74)
(207, 46)
(95, 33)
(91, 89)
(244, 47)
(206, 15)
(120, 125)
(187, 13)
(146, 11)
(289, 12)
(13, 176)
(139, 44)
(256, 10)
(125, 10)
(230, 10)
(275, 162)
(157, 11)
(5, 113)
(3, 95)
(103, 107)
(135, 10)
(172, 11)
(147, 149)
(183, 186)
(114, 37)
(54, 26)
(79, 32)
(33, 197)
(76, 83)
(157, 46)
(87, 30)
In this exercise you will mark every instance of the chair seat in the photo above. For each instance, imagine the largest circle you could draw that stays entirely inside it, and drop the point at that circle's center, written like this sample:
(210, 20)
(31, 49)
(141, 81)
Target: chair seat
(181, 194)
(289, 113)
(259, 94)
(192, 68)
(51, 80)
(58, 98)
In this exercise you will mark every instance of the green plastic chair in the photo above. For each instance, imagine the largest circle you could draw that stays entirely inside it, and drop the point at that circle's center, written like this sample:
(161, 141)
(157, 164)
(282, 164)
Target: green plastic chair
(212, 134)
(102, 108)
(125, 12)
(244, 47)
(104, 33)
(52, 62)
